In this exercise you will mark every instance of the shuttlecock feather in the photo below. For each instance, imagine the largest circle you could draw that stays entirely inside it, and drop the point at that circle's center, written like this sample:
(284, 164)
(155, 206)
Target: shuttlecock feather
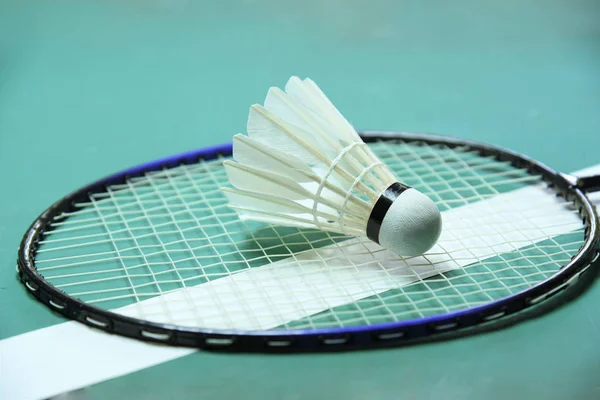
(302, 164)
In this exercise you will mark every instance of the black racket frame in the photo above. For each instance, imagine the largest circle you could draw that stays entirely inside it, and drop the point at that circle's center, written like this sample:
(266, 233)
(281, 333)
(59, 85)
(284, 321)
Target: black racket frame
(568, 282)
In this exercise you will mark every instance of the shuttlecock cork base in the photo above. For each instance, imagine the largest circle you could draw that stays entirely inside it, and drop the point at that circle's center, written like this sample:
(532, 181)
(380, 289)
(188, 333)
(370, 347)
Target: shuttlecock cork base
(408, 225)
(302, 164)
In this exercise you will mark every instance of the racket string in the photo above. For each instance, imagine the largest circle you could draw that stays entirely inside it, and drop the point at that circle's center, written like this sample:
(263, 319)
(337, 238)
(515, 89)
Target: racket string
(169, 236)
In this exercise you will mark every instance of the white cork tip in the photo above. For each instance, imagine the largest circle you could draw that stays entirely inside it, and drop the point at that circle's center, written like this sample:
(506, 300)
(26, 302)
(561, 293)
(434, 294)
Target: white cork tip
(412, 224)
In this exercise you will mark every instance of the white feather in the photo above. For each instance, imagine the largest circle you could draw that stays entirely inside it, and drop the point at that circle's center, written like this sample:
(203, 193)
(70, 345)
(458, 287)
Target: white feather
(295, 113)
(310, 95)
(306, 106)
(281, 220)
(253, 153)
(252, 206)
(276, 206)
(256, 180)
(322, 134)
(303, 164)
(269, 129)
(270, 185)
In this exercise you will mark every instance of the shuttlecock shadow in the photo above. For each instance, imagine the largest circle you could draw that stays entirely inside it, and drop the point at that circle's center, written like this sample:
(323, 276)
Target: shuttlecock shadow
(276, 243)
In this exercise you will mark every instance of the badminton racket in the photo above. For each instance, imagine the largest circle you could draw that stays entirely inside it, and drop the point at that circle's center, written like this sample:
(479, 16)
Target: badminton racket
(155, 253)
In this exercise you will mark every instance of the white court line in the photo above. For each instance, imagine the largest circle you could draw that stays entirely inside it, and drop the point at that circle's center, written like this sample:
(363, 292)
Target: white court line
(84, 356)
(332, 276)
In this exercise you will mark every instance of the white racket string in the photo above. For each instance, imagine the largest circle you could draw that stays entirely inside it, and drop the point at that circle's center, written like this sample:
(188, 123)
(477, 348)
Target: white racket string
(166, 247)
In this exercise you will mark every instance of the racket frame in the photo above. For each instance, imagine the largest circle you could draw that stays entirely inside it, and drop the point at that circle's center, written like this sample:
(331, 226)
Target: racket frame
(569, 281)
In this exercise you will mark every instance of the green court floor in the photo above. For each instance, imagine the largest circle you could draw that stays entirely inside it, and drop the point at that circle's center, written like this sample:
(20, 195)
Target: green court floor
(91, 87)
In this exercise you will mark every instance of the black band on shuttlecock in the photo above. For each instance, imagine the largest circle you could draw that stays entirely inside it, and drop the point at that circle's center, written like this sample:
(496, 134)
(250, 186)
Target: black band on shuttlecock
(381, 208)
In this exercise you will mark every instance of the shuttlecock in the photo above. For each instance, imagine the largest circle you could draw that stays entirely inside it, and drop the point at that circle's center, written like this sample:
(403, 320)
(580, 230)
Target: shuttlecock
(303, 164)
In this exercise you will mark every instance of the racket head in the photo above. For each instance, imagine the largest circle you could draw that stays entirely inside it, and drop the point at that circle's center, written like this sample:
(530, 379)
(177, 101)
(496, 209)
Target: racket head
(307, 335)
